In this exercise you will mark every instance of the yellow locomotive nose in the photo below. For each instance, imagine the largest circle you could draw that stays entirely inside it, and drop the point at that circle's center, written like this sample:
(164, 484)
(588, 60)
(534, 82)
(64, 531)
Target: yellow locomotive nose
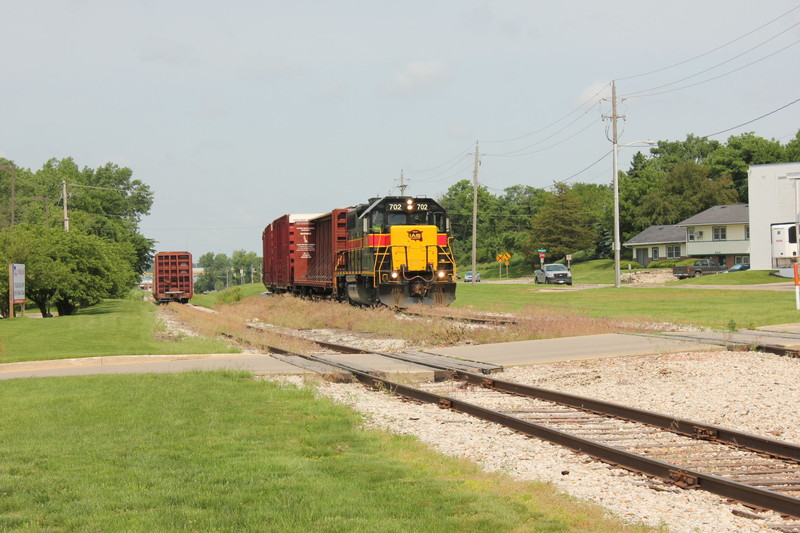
(414, 247)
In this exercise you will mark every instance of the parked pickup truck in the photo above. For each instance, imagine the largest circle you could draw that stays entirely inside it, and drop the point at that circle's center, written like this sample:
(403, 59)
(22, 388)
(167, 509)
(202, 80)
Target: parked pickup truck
(700, 267)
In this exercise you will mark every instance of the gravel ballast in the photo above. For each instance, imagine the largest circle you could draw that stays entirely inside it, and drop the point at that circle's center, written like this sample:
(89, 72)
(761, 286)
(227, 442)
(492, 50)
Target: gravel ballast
(747, 391)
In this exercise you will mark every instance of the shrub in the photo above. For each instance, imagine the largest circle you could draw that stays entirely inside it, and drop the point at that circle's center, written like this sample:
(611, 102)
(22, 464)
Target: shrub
(665, 263)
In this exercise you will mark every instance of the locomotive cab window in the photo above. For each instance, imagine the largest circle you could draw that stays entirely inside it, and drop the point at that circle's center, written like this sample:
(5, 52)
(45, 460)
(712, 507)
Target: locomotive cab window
(377, 222)
(418, 218)
(396, 219)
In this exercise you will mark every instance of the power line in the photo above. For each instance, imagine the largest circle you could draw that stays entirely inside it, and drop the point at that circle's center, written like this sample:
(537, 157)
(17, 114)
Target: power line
(586, 168)
(437, 167)
(710, 51)
(590, 100)
(751, 121)
(720, 76)
(449, 176)
(639, 93)
(515, 153)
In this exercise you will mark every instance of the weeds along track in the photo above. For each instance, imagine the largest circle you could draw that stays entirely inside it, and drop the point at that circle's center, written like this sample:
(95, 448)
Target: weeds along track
(488, 319)
(761, 473)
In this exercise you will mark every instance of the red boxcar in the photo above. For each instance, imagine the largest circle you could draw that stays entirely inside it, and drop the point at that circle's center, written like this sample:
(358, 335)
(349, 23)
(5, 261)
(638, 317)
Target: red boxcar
(172, 277)
(317, 243)
(299, 252)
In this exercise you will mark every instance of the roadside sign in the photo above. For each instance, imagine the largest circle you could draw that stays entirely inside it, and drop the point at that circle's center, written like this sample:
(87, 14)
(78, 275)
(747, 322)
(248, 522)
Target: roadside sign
(541, 250)
(18, 283)
(541, 256)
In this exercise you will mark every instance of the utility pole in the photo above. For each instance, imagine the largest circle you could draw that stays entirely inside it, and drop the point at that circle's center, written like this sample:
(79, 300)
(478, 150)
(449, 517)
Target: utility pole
(475, 212)
(615, 179)
(64, 196)
(403, 185)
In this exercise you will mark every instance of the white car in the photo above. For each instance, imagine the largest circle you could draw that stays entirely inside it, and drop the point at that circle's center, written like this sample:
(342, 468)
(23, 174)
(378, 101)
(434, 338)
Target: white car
(468, 277)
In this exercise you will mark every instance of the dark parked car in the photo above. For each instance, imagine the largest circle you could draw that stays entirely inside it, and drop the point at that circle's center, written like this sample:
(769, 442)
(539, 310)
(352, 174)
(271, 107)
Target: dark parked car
(553, 273)
(737, 268)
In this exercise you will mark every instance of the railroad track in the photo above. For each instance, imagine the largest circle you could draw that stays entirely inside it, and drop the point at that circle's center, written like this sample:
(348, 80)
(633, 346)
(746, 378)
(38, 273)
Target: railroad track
(761, 473)
(497, 320)
(762, 341)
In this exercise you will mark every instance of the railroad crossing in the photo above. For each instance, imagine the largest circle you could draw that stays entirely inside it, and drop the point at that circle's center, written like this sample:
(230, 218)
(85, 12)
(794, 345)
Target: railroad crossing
(532, 352)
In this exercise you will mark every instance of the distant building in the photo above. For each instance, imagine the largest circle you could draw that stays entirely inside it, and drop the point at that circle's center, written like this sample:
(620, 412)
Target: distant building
(721, 233)
(658, 243)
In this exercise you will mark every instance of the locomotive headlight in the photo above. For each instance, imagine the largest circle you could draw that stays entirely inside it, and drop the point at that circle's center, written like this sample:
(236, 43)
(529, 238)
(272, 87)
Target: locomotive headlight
(410, 204)
(441, 274)
(394, 274)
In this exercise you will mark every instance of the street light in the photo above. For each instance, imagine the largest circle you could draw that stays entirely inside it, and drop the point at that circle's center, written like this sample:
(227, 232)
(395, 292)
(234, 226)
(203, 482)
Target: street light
(616, 206)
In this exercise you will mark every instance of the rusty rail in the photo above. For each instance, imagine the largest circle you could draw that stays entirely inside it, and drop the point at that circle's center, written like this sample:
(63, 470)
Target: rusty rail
(683, 477)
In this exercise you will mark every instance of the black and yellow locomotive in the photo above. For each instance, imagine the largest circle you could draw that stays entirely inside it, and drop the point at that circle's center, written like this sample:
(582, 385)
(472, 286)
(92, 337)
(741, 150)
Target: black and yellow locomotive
(393, 250)
(398, 253)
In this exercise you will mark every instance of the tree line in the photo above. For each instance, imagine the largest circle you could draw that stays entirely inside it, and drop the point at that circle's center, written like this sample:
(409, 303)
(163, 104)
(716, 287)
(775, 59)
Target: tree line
(675, 180)
(221, 271)
(101, 256)
(104, 253)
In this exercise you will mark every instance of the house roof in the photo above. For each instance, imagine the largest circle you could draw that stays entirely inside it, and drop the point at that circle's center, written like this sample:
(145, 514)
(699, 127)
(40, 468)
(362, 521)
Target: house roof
(658, 235)
(719, 214)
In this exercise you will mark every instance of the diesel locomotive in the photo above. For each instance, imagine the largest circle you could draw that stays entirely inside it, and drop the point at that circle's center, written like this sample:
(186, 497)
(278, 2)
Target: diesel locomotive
(393, 250)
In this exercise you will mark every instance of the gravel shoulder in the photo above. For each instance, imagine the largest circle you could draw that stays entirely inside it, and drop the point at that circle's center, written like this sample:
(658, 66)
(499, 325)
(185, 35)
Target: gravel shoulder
(748, 391)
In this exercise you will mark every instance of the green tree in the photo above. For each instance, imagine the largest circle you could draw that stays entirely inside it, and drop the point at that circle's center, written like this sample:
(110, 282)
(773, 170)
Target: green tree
(516, 209)
(792, 149)
(561, 227)
(68, 269)
(669, 154)
(685, 191)
(245, 266)
(215, 272)
(741, 151)
(106, 202)
(458, 201)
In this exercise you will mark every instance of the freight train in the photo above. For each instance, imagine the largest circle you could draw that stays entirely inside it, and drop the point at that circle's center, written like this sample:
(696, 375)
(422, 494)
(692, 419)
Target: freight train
(393, 250)
(173, 280)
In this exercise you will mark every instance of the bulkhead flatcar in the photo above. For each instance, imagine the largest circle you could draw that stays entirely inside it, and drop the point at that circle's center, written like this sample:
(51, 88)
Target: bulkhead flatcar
(393, 250)
(172, 277)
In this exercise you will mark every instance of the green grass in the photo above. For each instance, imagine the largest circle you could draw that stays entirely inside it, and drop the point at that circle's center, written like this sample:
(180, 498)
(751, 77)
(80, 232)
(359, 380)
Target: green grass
(711, 307)
(221, 452)
(748, 277)
(601, 272)
(229, 295)
(115, 327)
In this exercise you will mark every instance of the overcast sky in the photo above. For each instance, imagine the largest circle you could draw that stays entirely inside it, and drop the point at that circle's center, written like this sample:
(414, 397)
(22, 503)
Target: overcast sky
(235, 113)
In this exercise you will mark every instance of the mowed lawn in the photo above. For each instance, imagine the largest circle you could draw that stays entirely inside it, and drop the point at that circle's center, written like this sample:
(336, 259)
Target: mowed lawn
(220, 451)
(115, 327)
(689, 304)
(223, 451)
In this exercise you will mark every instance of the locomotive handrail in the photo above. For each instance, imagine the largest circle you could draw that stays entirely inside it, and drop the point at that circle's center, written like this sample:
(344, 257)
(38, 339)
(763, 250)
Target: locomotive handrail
(380, 258)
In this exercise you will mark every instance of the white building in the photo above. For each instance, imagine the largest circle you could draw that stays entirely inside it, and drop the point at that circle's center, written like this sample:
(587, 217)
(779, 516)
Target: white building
(773, 198)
